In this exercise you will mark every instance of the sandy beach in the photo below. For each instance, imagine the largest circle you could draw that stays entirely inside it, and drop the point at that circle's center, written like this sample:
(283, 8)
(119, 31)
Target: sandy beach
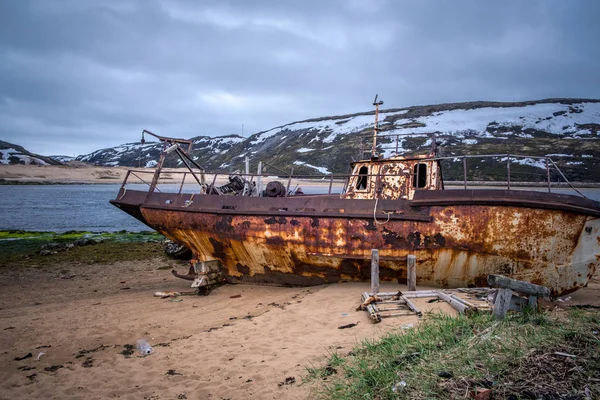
(80, 173)
(239, 342)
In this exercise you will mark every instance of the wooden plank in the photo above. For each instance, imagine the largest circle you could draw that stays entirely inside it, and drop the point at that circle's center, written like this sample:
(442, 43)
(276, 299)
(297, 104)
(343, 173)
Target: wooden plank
(457, 305)
(412, 306)
(411, 272)
(374, 271)
(399, 302)
(504, 282)
(415, 294)
(405, 314)
(502, 303)
(465, 302)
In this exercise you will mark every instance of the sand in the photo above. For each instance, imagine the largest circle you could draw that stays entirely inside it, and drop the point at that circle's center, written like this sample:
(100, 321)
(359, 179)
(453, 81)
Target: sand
(62, 174)
(214, 347)
(81, 173)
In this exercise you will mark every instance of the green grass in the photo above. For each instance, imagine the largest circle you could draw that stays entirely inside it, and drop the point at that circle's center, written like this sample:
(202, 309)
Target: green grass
(20, 248)
(514, 357)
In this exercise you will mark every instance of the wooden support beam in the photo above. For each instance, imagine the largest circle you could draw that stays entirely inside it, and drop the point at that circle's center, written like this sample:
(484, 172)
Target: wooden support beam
(411, 274)
(374, 271)
(502, 303)
(504, 282)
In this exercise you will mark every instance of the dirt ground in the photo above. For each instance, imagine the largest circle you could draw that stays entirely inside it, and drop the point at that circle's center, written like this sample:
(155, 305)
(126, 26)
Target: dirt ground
(239, 342)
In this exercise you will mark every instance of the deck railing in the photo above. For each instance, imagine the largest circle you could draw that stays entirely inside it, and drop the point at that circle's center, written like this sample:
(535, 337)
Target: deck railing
(155, 179)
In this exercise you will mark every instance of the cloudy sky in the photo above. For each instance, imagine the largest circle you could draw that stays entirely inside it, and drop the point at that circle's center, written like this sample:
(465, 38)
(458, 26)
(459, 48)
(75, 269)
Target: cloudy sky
(79, 75)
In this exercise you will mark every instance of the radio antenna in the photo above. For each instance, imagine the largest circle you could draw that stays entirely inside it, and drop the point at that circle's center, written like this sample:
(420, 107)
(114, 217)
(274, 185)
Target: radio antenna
(376, 127)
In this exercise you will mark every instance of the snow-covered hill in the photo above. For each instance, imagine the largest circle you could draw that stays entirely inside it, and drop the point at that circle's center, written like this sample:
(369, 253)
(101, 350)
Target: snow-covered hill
(566, 129)
(14, 154)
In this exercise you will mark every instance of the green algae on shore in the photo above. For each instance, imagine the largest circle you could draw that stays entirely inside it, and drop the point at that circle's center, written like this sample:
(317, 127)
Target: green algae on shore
(24, 248)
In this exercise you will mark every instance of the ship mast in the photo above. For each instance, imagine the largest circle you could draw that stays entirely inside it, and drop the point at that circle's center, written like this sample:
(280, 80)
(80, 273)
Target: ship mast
(376, 127)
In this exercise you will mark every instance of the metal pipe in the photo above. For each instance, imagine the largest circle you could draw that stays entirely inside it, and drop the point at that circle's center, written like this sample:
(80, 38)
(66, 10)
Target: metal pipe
(465, 170)
(182, 182)
(125, 180)
(289, 182)
(548, 174)
(508, 168)
(566, 180)
(330, 184)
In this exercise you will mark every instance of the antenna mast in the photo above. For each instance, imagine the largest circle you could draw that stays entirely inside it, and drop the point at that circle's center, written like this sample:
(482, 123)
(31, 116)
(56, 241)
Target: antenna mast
(376, 127)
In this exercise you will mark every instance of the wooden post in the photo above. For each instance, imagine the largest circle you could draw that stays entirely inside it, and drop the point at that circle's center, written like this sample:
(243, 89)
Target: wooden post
(411, 273)
(374, 271)
(502, 303)
(532, 303)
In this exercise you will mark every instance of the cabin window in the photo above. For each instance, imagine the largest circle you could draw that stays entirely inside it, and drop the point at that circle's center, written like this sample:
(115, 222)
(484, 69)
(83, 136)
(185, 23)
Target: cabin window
(420, 176)
(363, 177)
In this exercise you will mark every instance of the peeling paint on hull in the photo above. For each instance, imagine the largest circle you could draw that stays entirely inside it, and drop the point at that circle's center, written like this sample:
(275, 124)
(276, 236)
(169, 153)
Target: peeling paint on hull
(457, 245)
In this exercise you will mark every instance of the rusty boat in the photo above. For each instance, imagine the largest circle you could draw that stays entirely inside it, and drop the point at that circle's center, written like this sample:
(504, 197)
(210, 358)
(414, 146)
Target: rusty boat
(240, 232)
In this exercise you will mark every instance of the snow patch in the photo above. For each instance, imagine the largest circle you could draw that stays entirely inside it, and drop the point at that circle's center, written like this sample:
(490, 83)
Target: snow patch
(320, 169)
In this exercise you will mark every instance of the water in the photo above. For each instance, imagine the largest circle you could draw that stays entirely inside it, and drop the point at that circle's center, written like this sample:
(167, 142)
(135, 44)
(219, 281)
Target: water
(61, 208)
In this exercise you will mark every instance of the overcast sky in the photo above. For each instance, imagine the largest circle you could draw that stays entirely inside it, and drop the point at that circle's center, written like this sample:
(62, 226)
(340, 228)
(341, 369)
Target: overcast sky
(80, 75)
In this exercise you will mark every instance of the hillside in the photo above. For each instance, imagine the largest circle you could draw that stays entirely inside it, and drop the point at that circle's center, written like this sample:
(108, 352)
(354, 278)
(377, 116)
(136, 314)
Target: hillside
(14, 154)
(565, 129)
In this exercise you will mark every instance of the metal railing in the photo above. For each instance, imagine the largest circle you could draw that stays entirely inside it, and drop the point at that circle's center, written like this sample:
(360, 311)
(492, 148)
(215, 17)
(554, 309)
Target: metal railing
(331, 178)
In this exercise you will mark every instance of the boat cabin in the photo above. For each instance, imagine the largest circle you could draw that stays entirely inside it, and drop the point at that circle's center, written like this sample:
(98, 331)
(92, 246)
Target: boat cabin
(393, 178)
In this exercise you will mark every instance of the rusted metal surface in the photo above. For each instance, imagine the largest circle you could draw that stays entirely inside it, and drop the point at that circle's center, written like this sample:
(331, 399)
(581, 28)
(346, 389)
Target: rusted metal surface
(394, 178)
(396, 205)
(312, 240)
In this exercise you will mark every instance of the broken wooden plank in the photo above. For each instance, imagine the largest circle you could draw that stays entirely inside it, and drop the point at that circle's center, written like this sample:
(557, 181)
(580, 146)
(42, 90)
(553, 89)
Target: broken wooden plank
(502, 303)
(504, 282)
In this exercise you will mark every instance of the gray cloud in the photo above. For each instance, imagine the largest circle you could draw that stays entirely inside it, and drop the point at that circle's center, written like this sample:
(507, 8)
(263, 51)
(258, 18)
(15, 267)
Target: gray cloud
(76, 76)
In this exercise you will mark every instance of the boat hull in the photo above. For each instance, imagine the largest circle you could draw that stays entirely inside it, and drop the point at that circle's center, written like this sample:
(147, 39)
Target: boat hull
(455, 245)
